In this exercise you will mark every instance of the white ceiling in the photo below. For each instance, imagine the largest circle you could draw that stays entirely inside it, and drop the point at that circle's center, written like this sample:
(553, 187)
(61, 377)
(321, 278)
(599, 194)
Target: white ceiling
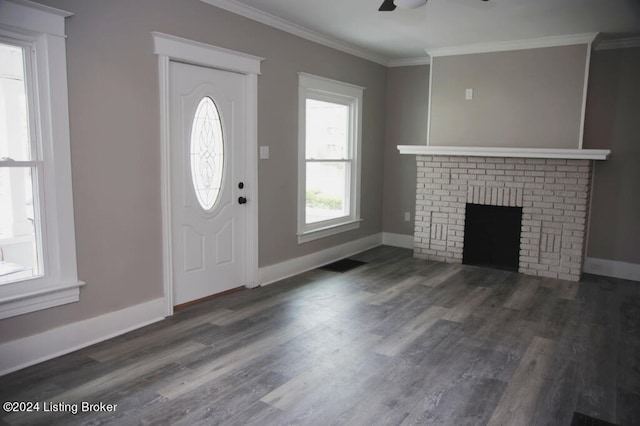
(403, 34)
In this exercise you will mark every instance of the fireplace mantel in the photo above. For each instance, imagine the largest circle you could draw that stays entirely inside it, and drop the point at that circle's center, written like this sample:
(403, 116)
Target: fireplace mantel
(463, 151)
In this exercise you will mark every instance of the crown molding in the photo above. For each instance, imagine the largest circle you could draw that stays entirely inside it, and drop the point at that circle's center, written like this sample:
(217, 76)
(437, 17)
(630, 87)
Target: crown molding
(620, 43)
(503, 46)
(295, 29)
(409, 62)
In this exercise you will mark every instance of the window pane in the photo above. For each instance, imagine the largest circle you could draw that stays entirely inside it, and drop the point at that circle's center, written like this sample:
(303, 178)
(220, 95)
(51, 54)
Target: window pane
(207, 153)
(327, 130)
(326, 191)
(18, 241)
(14, 129)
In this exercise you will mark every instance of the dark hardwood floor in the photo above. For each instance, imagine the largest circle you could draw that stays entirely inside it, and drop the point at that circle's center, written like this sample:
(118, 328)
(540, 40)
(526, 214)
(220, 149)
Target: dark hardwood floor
(395, 341)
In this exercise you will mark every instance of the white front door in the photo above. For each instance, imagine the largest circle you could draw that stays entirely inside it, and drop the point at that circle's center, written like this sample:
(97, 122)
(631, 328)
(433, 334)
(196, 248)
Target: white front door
(207, 112)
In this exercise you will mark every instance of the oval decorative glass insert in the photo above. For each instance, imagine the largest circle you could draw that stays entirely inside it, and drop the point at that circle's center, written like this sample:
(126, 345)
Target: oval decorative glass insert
(207, 153)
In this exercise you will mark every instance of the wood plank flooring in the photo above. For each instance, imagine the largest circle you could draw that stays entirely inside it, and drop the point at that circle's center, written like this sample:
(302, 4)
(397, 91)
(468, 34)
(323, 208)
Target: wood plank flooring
(397, 341)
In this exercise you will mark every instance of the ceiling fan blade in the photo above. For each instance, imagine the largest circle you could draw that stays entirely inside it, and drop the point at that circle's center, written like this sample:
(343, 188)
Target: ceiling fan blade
(387, 6)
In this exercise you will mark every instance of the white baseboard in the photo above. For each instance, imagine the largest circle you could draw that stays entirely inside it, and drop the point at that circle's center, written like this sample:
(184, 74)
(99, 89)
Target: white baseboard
(612, 268)
(288, 268)
(21, 353)
(397, 240)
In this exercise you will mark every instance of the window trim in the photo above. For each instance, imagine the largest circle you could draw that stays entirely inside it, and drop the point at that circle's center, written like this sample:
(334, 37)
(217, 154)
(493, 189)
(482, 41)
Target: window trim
(42, 27)
(324, 89)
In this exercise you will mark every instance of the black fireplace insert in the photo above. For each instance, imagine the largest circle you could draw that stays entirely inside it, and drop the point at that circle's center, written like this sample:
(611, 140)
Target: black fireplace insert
(492, 236)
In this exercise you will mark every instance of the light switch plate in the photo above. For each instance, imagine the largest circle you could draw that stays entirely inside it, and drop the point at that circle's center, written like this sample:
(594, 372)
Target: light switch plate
(264, 152)
(468, 94)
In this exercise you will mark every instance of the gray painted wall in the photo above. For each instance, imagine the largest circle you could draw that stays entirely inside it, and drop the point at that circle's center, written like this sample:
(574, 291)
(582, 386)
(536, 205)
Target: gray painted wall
(407, 107)
(113, 97)
(526, 98)
(613, 121)
(114, 119)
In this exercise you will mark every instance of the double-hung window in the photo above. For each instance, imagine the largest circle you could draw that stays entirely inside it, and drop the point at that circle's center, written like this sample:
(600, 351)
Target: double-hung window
(330, 127)
(37, 238)
(21, 167)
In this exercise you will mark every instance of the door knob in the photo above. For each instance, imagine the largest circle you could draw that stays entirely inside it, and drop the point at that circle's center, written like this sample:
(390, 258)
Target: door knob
(242, 200)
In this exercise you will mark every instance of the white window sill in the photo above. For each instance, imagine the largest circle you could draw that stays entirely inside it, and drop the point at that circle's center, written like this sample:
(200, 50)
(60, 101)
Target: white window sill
(42, 298)
(328, 231)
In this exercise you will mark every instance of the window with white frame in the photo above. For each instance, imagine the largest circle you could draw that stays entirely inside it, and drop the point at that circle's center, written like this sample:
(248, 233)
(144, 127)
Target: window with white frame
(37, 238)
(329, 140)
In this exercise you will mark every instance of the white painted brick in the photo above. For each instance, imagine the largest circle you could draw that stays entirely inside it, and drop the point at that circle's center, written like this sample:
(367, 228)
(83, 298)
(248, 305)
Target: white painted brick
(573, 226)
(505, 166)
(531, 186)
(549, 262)
(583, 181)
(509, 182)
(525, 167)
(539, 267)
(495, 172)
(568, 168)
(486, 166)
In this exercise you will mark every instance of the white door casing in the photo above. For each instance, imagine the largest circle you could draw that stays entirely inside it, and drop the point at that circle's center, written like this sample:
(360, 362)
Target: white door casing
(170, 48)
(208, 240)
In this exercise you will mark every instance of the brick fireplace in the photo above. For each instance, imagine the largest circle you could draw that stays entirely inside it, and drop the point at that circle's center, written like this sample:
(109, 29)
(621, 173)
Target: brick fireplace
(553, 193)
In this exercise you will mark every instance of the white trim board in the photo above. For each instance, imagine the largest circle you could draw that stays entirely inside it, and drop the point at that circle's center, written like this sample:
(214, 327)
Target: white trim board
(503, 46)
(397, 240)
(509, 46)
(585, 87)
(40, 31)
(295, 29)
(471, 151)
(42, 19)
(198, 53)
(39, 299)
(288, 268)
(21, 353)
(612, 268)
(429, 103)
(409, 62)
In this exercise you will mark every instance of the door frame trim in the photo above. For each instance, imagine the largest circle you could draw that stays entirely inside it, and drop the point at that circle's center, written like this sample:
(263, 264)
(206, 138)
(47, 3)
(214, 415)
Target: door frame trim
(169, 48)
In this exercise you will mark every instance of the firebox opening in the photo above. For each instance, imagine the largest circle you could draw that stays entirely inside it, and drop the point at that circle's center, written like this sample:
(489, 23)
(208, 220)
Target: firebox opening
(492, 236)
